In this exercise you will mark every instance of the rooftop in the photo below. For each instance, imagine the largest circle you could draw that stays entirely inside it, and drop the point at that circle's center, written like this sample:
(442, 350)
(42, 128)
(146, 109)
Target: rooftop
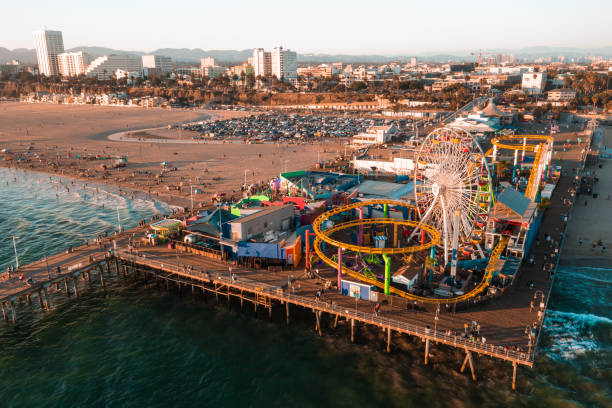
(266, 211)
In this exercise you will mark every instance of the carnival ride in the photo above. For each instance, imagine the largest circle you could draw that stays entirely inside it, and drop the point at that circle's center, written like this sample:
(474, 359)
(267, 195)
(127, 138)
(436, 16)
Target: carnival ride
(453, 195)
(540, 144)
(323, 236)
(452, 188)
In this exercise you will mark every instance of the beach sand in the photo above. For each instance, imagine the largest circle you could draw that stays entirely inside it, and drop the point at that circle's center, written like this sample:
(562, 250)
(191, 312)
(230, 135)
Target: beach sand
(592, 222)
(59, 133)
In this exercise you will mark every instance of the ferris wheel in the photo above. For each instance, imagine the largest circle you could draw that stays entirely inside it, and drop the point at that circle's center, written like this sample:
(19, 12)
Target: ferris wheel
(452, 187)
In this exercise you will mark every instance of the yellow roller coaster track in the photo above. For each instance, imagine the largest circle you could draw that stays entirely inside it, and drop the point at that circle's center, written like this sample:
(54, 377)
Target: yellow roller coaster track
(522, 144)
(324, 236)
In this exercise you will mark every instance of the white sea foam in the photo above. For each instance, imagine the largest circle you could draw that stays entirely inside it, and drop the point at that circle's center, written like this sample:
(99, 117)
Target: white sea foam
(572, 333)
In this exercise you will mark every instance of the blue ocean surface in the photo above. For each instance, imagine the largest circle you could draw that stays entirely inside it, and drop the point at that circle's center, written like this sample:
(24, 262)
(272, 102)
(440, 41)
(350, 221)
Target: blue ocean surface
(135, 346)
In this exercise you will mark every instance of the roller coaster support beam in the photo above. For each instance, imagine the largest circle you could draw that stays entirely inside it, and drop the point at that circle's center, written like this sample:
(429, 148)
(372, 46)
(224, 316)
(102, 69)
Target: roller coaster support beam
(453, 271)
(340, 249)
(307, 260)
(514, 168)
(386, 210)
(387, 260)
(360, 238)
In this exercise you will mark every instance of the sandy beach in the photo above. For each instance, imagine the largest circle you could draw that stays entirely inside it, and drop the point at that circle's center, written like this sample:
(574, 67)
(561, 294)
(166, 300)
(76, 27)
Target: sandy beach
(592, 222)
(65, 140)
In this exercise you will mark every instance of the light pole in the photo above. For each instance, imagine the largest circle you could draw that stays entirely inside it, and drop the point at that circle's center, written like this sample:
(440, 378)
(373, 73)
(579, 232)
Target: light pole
(436, 318)
(15, 249)
(191, 188)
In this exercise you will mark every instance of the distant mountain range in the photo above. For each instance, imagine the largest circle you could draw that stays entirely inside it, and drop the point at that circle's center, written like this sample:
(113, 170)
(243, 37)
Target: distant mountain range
(28, 56)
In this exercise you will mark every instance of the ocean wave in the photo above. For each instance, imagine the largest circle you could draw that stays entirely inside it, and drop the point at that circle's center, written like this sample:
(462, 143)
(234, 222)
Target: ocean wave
(573, 334)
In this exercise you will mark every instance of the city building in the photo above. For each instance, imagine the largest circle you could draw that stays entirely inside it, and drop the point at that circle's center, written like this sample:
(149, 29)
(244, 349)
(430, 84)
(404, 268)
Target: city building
(207, 62)
(534, 82)
(284, 64)
(156, 64)
(103, 68)
(49, 44)
(244, 68)
(213, 72)
(188, 72)
(262, 62)
(561, 95)
(375, 135)
(73, 63)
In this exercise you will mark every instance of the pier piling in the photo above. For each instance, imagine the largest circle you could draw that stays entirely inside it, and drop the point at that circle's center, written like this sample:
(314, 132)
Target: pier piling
(514, 369)
(426, 351)
(388, 339)
(13, 312)
(76, 287)
(352, 330)
(47, 298)
(3, 312)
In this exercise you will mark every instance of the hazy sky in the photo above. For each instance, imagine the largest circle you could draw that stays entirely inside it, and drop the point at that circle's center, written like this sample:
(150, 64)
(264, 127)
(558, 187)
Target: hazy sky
(311, 26)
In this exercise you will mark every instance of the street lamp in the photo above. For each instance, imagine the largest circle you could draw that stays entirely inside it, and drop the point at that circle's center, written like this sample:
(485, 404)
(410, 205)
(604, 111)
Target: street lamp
(191, 190)
(436, 318)
(15, 249)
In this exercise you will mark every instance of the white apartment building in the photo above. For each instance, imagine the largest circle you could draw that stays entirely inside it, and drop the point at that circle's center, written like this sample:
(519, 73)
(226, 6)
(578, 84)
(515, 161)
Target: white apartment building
(284, 64)
(561, 95)
(262, 62)
(207, 62)
(105, 67)
(157, 64)
(73, 63)
(534, 82)
(48, 45)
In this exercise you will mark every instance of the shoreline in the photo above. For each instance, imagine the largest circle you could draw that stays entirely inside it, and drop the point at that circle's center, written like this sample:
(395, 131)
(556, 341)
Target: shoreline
(581, 262)
(87, 183)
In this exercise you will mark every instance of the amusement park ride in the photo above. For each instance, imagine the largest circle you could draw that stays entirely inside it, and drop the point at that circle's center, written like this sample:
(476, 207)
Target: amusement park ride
(453, 196)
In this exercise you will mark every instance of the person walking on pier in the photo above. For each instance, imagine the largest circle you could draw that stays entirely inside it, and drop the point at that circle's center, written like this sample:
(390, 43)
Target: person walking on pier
(377, 309)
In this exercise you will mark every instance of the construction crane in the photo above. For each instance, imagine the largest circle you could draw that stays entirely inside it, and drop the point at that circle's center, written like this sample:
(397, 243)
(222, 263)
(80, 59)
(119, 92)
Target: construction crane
(480, 54)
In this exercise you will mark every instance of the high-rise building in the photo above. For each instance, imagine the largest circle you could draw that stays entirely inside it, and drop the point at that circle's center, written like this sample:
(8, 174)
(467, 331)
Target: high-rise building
(157, 64)
(48, 45)
(262, 62)
(413, 61)
(72, 63)
(104, 68)
(284, 65)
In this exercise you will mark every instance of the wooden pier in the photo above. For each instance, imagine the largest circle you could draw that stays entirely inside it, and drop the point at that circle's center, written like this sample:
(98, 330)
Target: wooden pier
(262, 289)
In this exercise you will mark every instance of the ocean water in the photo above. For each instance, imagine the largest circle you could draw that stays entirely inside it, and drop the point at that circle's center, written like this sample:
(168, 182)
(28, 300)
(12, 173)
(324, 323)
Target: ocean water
(131, 346)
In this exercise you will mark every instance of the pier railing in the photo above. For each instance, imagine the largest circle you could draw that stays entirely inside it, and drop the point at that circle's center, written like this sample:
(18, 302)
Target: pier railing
(282, 294)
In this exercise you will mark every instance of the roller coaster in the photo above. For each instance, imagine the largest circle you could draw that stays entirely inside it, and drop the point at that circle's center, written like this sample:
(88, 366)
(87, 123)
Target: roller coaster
(430, 235)
(540, 144)
(324, 235)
